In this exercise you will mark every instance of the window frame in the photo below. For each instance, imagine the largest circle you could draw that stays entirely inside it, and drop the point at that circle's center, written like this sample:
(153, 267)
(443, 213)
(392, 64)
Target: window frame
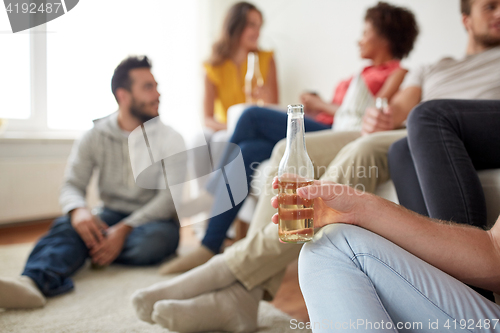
(37, 124)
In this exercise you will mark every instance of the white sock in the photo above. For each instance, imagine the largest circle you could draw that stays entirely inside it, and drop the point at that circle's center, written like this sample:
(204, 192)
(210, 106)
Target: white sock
(232, 309)
(20, 292)
(187, 262)
(214, 274)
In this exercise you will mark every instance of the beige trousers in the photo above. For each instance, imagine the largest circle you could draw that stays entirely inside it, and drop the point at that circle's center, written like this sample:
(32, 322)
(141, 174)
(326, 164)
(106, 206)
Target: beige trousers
(342, 157)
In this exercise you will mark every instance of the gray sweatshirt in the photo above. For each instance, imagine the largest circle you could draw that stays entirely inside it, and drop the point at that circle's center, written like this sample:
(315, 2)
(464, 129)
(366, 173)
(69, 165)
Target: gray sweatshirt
(105, 148)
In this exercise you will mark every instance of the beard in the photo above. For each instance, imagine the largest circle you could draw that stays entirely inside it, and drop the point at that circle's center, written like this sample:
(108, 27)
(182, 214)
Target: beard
(487, 41)
(137, 110)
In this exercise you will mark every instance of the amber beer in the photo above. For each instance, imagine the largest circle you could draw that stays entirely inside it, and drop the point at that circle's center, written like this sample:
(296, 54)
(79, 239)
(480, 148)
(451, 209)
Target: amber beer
(296, 170)
(295, 213)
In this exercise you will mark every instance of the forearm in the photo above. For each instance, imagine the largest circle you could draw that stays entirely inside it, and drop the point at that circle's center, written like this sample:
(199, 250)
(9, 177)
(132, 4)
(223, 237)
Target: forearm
(466, 253)
(71, 198)
(399, 117)
(123, 229)
(403, 102)
(328, 108)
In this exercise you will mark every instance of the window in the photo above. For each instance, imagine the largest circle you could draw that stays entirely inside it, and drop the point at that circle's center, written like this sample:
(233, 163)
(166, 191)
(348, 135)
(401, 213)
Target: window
(75, 55)
(15, 72)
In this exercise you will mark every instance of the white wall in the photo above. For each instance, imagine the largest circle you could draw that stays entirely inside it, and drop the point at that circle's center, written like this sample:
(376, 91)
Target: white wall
(315, 46)
(315, 41)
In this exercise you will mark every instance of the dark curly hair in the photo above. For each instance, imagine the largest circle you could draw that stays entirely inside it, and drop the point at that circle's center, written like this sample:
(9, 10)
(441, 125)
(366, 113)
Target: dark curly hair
(396, 24)
(121, 79)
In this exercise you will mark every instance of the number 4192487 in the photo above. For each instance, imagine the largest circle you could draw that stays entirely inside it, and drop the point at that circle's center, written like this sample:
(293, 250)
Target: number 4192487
(471, 324)
(31, 8)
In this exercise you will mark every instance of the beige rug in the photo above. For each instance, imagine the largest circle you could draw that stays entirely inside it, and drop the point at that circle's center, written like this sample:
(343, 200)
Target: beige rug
(100, 302)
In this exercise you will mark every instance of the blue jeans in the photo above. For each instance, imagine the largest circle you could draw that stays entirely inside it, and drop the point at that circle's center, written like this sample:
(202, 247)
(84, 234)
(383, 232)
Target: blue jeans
(256, 133)
(352, 277)
(60, 253)
(434, 169)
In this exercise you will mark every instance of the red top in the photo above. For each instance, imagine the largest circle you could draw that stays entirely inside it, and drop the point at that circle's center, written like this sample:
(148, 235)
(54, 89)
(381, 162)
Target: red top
(374, 77)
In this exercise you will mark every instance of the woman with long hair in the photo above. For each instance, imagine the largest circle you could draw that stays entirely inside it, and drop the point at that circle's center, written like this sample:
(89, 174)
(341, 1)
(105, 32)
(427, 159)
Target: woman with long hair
(225, 69)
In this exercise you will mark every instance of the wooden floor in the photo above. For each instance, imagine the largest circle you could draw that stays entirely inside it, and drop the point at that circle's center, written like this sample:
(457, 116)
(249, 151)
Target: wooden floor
(288, 298)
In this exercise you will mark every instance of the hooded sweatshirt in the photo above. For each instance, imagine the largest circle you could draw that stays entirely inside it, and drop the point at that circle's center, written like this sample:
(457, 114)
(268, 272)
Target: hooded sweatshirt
(105, 148)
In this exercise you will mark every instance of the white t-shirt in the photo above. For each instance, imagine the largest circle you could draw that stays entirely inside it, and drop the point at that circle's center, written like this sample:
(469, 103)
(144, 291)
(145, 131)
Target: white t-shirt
(473, 77)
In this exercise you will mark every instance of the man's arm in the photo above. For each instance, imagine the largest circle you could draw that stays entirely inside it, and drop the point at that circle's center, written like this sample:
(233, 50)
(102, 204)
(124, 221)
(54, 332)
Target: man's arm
(81, 164)
(470, 254)
(402, 103)
(467, 253)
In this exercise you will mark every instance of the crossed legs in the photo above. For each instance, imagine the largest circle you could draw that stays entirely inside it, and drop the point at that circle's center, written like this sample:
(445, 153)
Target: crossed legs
(257, 262)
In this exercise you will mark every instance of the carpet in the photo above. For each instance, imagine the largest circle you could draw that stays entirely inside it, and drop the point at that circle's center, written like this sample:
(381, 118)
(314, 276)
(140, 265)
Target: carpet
(100, 301)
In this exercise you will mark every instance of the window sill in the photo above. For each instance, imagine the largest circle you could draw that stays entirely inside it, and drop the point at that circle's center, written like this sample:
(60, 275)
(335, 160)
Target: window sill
(39, 136)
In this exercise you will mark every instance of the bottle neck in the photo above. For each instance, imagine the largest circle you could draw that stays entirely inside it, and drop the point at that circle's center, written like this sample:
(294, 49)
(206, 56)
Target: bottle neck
(295, 162)
(250, 66)
(295, 140)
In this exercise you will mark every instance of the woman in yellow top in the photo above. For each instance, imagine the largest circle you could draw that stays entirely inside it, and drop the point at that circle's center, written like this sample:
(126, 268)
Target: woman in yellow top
(227, 66)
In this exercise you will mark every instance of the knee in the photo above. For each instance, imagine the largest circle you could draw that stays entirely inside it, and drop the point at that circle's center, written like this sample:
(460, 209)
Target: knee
(328, 240)
(425, 114)
(62, 225)
(278, 151)
(249, 114)
(334, 239)
(398, 151)
(331, 244)
(157, 244)
(364, 148)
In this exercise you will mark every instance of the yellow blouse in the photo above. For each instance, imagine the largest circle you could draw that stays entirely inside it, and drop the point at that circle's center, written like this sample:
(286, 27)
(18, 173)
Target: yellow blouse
(230, 83)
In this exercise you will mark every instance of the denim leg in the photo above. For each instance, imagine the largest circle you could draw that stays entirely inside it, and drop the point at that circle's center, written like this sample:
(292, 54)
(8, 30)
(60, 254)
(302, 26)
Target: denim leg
(351, 275)
(111, 217)
(449, 140)
(267, 124)
(150, 243)
(60, 253)
(256, 123)
(56, 257)
(405, 179)
(252, 151)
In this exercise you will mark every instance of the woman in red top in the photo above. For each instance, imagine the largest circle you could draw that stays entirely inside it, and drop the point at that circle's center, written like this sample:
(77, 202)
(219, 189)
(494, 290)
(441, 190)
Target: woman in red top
(389, 35)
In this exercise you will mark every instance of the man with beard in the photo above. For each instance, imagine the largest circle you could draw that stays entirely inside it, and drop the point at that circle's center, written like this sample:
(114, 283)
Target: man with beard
(136, 226)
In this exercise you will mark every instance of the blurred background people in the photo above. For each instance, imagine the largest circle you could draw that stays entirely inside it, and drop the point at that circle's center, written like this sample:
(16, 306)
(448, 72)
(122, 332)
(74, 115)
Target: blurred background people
(388, 36)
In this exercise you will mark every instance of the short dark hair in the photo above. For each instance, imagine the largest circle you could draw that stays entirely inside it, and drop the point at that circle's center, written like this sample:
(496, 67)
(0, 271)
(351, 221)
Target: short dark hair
(465, 6)
(121, 77)
(397, 24)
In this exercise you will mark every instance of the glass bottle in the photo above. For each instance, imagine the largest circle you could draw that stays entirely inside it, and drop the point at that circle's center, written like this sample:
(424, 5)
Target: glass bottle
(381, 103)
(253, 81)
(295, 170)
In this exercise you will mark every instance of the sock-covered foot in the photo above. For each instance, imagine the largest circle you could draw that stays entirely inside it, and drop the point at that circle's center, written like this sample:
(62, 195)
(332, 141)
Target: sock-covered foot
(184, 263)
(19, 293)
(232, 309)
(213, 275)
